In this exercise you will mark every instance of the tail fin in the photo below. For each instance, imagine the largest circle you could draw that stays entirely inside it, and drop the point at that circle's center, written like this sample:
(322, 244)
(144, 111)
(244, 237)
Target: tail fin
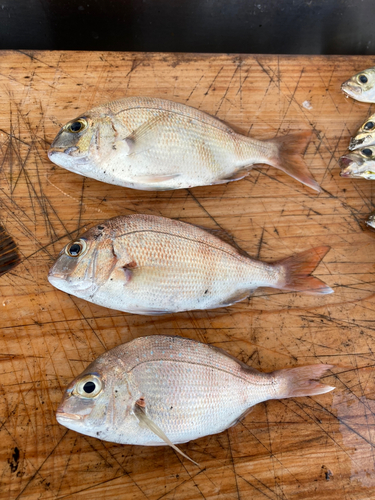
(289, 159)
(303, 381)
(9, 256)
(297, 270)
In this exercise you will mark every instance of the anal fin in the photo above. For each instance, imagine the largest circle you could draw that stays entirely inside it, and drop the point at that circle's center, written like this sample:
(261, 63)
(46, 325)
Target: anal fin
(146, 422)
(236, 297)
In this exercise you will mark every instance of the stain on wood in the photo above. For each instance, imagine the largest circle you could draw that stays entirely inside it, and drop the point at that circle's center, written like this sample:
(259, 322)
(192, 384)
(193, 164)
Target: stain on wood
(307, 448)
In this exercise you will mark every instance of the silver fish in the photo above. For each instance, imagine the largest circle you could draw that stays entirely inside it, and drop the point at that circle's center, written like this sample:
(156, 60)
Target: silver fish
(361, 86)
(360, 164)
(145, 264)
(365, 135)
(162, 390)
(155, 144)
(371, 220)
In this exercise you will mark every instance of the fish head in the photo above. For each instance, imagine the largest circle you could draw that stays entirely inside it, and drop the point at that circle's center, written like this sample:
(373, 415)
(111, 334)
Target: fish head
(86, 263)
(99, 398)
(83, 142)
(361, 86)
(359, 164)
(365, 135)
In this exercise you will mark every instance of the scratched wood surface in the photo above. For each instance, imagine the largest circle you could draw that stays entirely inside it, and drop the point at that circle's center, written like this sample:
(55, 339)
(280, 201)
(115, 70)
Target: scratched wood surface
(307, 448)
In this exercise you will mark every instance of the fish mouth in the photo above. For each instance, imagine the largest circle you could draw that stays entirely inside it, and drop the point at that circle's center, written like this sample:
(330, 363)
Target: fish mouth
(355, 143)
(346, 164)
(67, 416)
(64, 156)
(350, 89)
(61, 282)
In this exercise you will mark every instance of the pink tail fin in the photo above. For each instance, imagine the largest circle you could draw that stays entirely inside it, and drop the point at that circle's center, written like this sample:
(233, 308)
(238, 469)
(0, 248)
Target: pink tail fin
(303, 381)
(289, 159)
(297, 270)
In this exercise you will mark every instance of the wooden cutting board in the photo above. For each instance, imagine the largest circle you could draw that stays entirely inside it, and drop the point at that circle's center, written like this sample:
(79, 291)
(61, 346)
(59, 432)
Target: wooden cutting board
(306, 448)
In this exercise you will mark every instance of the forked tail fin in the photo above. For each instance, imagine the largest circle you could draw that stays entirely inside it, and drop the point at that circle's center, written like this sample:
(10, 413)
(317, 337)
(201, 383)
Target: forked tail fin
(302, 381)
(9, 256)
(289, 159)
(296, 272)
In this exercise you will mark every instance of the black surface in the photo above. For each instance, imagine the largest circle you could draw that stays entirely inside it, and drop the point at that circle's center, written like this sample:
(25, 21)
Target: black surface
(247, 26)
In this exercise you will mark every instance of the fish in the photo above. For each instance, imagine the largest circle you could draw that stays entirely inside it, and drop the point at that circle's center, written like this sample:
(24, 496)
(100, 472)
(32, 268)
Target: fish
(145, 264)
(365, 135)
(167, 390)
(9, 254)
(359, 164)
(371, 220)
(361, 86)
(155, 144)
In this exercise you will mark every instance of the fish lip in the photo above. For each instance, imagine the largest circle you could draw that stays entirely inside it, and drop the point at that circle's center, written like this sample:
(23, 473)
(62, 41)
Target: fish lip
(68, 416)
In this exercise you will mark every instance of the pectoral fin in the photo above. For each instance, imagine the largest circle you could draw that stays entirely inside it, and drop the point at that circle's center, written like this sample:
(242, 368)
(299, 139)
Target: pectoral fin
(146, 422)
(144, 137)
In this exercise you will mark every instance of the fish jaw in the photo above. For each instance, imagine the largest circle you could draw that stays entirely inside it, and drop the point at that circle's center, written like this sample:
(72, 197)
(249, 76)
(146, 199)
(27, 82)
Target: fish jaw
(352, 89)
(60, 276)
(349, 168)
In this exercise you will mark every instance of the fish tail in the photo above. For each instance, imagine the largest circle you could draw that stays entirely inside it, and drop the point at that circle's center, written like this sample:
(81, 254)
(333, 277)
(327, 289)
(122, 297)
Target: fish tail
(302, 381)
(290, 149)
(9, 256)
(296, 272)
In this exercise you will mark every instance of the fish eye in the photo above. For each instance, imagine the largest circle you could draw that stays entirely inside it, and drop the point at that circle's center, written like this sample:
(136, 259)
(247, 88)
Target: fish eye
(76, 249)
(362, 78)
(89, 387)
(369, 126)
(77, 126)
(367, 152)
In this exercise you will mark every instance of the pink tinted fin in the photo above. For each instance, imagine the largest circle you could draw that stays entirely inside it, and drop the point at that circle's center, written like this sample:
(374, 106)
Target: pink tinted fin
(297, 270)
(156, 178)
(9, 256)
(289, 159)
(303, 381)
(145, 136)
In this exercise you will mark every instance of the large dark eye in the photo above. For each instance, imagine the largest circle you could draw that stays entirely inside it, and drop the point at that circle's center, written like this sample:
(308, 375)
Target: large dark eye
(367, 152)
(363, 78)
(89, 387)
(77, 126)
(369, 126)
(75, 249)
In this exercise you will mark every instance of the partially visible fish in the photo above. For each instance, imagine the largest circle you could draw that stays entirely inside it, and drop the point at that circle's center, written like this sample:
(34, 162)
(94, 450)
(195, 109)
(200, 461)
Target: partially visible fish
(371, 220)
(145, 264)
(155, 144)
(361, 86)
(9, 256)
(164, 390)
(365, 135)
(359, 164)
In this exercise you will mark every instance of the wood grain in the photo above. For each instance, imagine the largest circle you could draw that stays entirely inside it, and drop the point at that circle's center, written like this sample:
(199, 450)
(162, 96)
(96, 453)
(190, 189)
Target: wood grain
(307, 448)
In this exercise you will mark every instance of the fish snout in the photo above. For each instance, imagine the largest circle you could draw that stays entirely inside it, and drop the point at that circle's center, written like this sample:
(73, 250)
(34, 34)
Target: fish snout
(350, 88)
(355, 143)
